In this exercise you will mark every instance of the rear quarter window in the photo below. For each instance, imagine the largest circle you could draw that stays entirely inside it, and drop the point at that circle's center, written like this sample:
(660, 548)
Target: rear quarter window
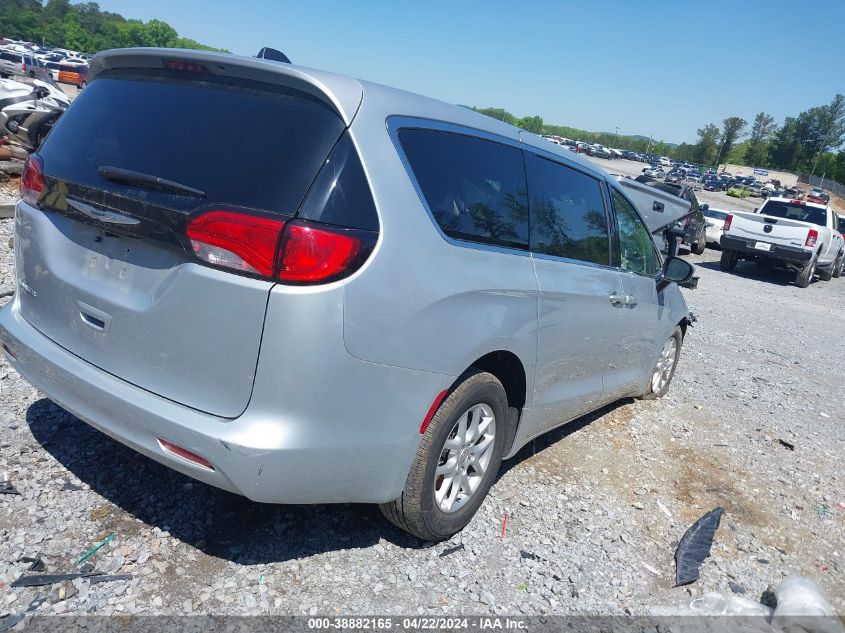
(474, 187)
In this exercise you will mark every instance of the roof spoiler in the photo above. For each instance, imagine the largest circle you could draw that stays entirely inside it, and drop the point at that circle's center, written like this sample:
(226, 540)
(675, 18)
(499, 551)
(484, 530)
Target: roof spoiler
(272, 54)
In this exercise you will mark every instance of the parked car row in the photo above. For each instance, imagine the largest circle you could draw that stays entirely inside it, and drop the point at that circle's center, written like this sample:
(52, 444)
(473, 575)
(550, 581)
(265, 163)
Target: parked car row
(51, 65)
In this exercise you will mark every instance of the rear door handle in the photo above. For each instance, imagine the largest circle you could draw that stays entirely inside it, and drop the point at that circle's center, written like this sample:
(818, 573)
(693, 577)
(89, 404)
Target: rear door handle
(622, 300)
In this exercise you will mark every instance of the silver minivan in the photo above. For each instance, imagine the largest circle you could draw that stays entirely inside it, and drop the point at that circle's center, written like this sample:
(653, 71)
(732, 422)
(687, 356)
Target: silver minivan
(305, 288)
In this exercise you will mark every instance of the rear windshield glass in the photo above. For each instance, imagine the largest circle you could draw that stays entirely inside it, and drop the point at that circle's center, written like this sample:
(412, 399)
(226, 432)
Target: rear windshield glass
(791, 211)
(242, 143)
(12, 57)
(718, 215)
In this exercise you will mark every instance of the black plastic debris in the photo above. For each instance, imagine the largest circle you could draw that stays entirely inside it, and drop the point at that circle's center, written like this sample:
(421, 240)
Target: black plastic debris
(7, 489)
(71, 487)
(8, 621)
(39, 580)
(786, 444)
(451, 550)
(97, 579)
(529, 555)
(37, 563)
(695, 547)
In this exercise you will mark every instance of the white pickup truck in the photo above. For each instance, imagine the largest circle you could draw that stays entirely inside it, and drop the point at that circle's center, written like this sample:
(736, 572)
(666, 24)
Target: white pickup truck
(803, 236)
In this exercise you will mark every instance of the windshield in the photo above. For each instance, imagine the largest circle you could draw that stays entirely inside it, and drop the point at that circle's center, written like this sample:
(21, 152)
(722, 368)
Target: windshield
(716, 215)
(792, 211)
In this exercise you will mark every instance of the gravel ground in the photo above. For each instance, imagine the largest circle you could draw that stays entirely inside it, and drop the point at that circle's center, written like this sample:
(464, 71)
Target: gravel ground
(595, 509)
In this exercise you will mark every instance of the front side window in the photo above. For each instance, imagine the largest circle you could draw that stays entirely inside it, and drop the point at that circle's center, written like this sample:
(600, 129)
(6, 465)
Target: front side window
(474, 187)
(636, 248)
(567, 212)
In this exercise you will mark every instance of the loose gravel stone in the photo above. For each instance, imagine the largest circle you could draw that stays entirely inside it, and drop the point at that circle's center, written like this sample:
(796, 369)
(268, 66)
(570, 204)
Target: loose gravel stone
(595, 509)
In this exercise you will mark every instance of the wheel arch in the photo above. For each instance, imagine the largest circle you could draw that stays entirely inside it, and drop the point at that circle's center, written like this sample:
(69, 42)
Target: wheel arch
(509, 369)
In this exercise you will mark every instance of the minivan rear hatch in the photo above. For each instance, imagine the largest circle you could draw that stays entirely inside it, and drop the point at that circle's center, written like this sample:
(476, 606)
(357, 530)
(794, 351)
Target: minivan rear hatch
(103, 262)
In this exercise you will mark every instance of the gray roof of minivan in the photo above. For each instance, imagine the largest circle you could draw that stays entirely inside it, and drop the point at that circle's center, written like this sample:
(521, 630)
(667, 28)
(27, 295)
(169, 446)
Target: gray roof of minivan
(345, 94)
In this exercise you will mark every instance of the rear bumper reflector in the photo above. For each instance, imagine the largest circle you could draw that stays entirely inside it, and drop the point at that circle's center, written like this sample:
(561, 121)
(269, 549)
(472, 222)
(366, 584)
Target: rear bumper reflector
(434, 405)
(169, 447)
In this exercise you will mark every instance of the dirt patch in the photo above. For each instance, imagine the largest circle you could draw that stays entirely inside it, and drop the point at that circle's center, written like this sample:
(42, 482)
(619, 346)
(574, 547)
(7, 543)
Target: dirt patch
(706, 481)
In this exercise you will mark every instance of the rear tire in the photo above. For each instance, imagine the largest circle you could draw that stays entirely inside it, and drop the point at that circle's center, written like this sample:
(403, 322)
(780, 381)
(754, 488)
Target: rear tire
(664, 369)
(728, 260)
(424, 509)
(805, 275)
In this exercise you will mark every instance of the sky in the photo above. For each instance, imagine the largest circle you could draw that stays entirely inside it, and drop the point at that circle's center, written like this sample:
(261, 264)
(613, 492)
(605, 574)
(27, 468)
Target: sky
(652, 68)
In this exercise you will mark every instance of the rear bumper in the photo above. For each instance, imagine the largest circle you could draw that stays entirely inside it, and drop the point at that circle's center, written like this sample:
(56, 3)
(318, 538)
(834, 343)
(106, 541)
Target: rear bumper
(790, 254)
(352, 442)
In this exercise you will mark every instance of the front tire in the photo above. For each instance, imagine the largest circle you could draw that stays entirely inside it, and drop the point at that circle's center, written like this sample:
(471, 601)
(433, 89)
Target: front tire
(840, 263)
(700, 246)
(664, 369)
(456, 462)
(728, 259)
(826, 274)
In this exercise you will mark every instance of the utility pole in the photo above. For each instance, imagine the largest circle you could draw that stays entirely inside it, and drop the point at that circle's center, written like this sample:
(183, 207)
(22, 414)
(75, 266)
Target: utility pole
(615, 134)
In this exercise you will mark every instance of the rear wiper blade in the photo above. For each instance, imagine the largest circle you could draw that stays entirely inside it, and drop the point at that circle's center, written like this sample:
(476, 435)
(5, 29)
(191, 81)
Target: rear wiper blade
(118, 174)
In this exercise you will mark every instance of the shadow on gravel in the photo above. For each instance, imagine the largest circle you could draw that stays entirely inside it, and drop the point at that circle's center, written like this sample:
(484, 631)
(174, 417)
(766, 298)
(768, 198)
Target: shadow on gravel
(232, 527)
(750, 270)
(539, 444)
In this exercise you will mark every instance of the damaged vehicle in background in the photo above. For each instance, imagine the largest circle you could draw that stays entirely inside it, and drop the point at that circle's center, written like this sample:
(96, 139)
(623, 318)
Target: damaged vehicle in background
(241, 321)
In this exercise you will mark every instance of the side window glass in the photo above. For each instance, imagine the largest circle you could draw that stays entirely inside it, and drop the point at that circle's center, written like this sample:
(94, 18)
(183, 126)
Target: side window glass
(568, 217)
(635, 245)
(475, 188)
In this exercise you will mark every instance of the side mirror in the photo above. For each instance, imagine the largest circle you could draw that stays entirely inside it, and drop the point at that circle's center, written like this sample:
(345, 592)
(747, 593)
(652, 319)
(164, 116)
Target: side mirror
(677, 270)
(704, 207)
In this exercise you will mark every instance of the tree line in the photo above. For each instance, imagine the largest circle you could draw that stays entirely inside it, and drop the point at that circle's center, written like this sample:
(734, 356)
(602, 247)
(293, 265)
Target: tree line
(536, 125)
(808, 143)
(84, 27)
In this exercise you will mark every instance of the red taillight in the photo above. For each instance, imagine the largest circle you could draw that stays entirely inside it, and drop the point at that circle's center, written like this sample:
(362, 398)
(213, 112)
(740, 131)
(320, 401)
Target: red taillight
(32, 179)
(184, 453)
(812, 236)
(236, 240)
(727, 225)
(798, 202)
(309, 254)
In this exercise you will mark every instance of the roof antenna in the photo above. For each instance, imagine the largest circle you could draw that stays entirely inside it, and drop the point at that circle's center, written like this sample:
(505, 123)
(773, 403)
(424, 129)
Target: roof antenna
(273, 54)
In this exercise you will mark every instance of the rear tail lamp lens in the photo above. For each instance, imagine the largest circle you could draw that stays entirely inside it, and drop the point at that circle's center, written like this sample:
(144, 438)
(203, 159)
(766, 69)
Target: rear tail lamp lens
(309, 254)
(727, 226)
(242, 242)
(298, 252)
(812, 236)
(32, 179)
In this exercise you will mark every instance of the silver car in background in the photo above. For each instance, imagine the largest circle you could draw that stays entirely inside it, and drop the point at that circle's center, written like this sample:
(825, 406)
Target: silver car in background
(367, 296)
